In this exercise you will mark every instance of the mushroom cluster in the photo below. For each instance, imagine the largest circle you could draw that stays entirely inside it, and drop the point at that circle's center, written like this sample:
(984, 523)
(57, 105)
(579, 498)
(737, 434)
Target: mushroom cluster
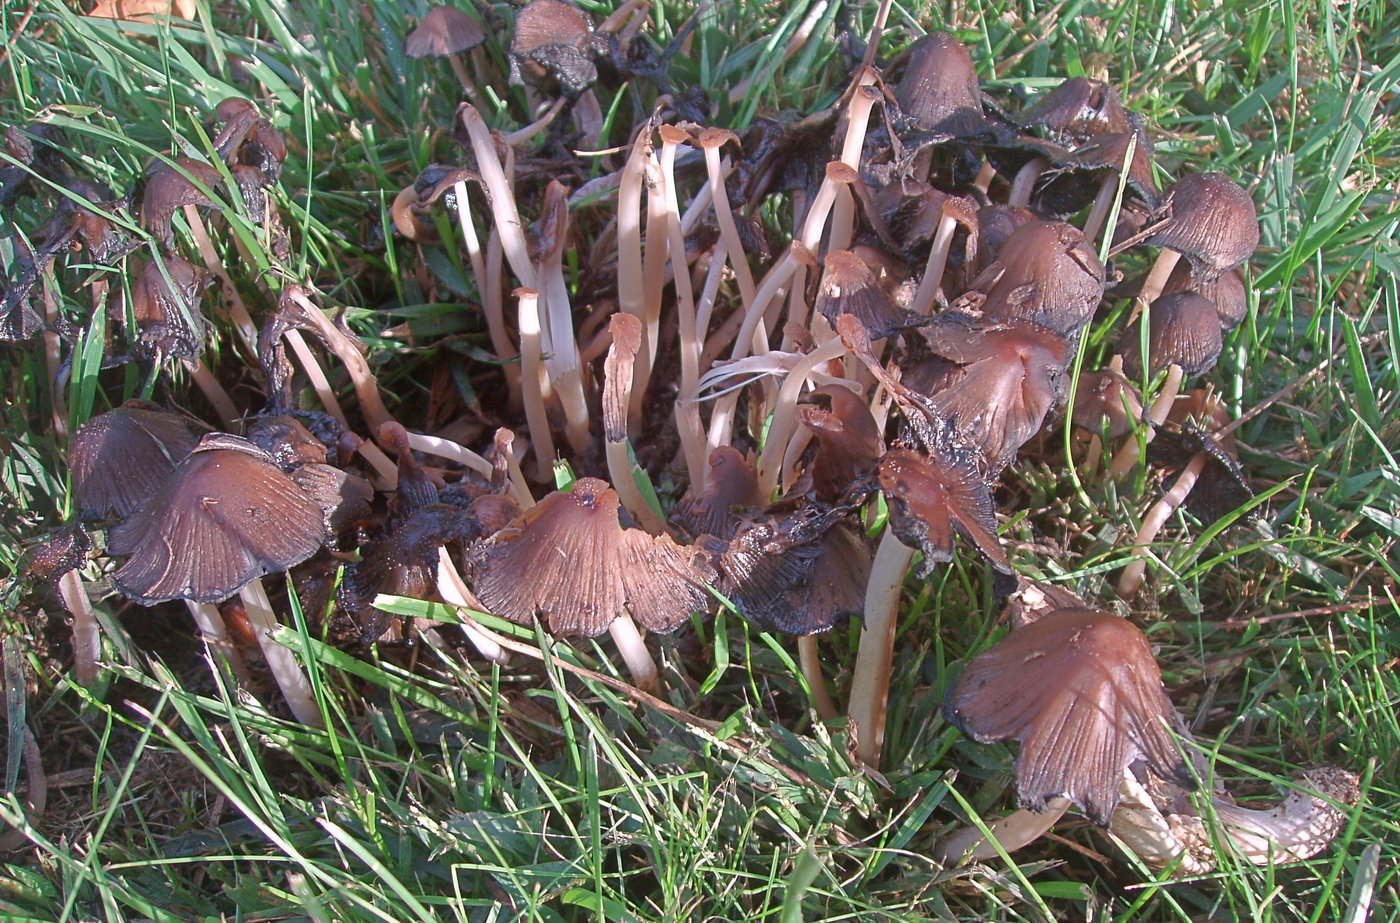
(942, 258)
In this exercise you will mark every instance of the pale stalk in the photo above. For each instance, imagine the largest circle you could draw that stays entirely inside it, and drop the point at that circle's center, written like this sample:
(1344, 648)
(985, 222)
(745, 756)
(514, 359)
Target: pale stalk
(687, 410)
(87, 640)
(366, 388)
(1015, 830)
(870, 680)
(631, 280)
(285, 669)
(454, 592)
(1152, 523)
(932, 281)
(502, 196)
(541, 439)
(809, 655)
(633, 649)
(242, 319)
(710, 143)
(214, 633)
(784, 421)
(214, 391)
(491, 302)
(562, 363)
(1127, 456)
(1024, 183)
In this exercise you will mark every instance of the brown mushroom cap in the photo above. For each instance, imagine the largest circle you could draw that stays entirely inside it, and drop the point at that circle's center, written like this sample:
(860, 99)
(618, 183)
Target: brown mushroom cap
(848, 286)
(169, 188)
(1081, 691)
(1227, 291)
(445, 30)
(848, 440)
(1078, 109)
(1211, 221)
(553, 40)
(732, 484)
(933, 498)
(569, 560)
(167, 311)
(1106, 394)
(226, 516)
(939, 90)
(1184, 330)
(123, 456)
(1045, 273)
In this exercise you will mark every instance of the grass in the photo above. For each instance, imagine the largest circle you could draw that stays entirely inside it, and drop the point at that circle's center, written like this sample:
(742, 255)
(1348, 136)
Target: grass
(444, 788)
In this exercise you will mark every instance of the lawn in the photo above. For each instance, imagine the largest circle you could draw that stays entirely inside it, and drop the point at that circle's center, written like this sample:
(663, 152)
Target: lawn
(441, 785)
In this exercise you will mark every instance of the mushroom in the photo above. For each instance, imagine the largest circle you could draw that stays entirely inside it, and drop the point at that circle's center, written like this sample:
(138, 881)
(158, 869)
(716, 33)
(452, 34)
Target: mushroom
(569, 560)
(1045, 273)
(1210, 220)
(1081, 691)
(227, 516)
(447, 32)
(121, 457)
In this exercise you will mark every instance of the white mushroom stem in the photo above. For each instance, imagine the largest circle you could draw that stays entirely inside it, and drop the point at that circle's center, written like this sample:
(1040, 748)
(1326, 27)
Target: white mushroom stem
(809, 656)
(1011, 832)
(1024, 183)
(658, 248)
(242, 320)
(687, 411)
(490, 295)
(541, 439)
(1127, 456)
(214, 633)
(729, 231)
(58, 405)
(37, 797)
(562, 362)
(1157, 277)
(446, 448)
(1102, 208)
(453, 589)
(316, 375)
(87, 640)
(784, 421)
(631, 281)
(1152, 523)
(870, 680)
(521, 136)
(366, 388)
(633, 649)
(932, 281)
(291, 679)
(502, 196)
(1300, 826)
(216, 395)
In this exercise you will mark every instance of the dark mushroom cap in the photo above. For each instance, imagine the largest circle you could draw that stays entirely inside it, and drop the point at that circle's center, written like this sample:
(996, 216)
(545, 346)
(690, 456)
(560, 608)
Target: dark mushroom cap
(1184, 329)
(226, 516)
(848, 440)
(849, 287)
(933, 498)
(1077, 110)
(165, 304)
(169, 188)
(1227, 291)
(445, 30)
(569, 560)
(1081, 691)
(730, 485)
(122, 457)
(554, 40)
(1010, 380)
(939, 91)
(1211, 221)
(1106, 394)
(1045, 273)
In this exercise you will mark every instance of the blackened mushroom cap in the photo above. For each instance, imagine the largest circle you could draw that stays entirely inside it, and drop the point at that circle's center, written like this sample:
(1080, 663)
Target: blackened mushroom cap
(1081, 691)
(1184, 330)
(565, 560)
(1211, 221)
(1045, 273)
(165, 300)
(445, 30)
(554, 39)
(226, 516)
(122, 457)
(939, 91)
(934, 498)
(848, 286)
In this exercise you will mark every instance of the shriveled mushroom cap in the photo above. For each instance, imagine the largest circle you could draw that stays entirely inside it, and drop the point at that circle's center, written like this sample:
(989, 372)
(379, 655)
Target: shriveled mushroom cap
(569, 560)
(123, 456)
(848, 439)
(1078, 109)
(1211, 221)
(1184, 330)
(1081, 691)
(939, 90)
(226, 516)
(445, 30)
(170, 188)
(934, 498)
(732, 485)
(1227, 291)
(553, 39)
(165, 304)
